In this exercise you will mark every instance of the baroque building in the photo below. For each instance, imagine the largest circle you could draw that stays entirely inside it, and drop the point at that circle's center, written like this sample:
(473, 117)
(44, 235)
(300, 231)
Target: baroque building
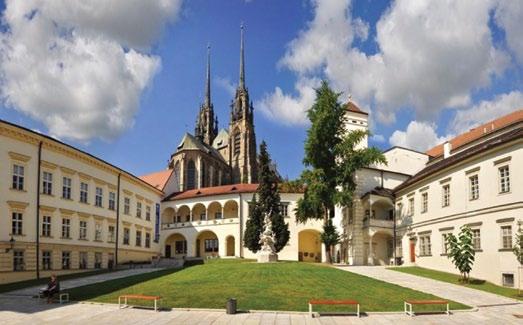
(211, 157)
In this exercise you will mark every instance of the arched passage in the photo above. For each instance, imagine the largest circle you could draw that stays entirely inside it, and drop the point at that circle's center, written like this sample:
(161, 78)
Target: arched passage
(309, 246)
(214, 211)
(381, 248)
(168, 215)
(199, 212)
(230, 245)
(230, 209)
(207, 244)
(175, 246)
(184, 214)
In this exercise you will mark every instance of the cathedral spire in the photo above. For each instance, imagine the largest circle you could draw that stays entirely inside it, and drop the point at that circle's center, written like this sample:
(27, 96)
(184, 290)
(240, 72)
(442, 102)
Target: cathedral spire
(241, 84)
(207, 102)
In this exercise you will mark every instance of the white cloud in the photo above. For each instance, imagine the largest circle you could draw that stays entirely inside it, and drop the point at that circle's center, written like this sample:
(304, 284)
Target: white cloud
(431, 55)
(418, 136)
(486, 111)
(80, 67)
(378, 138)
(226, 84)
(509, 15)
(288, 109)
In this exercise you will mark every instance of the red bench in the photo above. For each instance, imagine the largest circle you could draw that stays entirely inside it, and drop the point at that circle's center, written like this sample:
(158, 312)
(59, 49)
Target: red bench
(409, 303)
(139, 297)
(334, 302)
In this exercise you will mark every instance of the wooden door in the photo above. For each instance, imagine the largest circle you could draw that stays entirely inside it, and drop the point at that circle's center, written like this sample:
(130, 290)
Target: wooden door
(168, 251)
(413, 251)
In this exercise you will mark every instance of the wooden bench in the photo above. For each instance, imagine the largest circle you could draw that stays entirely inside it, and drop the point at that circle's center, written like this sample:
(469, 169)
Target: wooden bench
(139, 297)
(409, 303)
(62, 296)
(334, 302)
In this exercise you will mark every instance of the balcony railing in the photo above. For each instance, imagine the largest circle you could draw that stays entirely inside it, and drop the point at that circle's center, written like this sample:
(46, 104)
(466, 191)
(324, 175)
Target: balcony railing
(381, 223)
(213, 222)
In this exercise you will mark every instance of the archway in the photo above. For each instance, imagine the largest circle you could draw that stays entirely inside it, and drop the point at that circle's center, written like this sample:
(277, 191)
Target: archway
(207, 244)
(309, 246)
(184, 214)
(175, 246)
(214, 211)
(230, 243)
(199, 212)
(168, 215)
(230, 209)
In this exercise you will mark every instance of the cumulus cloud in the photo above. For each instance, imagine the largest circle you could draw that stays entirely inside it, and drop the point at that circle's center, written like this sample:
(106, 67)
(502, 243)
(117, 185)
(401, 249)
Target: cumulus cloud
(80, 67)
(418, 136)
(431, 55)
(509, 15)
(486, 110)
(226, 84)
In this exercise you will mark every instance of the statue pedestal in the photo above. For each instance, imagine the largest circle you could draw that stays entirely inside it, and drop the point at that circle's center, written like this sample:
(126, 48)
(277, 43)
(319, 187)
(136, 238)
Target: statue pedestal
(267, 257)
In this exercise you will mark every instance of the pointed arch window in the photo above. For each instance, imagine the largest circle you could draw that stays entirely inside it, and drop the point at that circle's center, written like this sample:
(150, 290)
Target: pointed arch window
(237, 141)
(191, 175)
(177, 176)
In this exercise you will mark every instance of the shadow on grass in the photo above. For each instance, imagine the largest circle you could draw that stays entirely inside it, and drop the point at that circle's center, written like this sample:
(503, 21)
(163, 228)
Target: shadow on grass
(92, 291)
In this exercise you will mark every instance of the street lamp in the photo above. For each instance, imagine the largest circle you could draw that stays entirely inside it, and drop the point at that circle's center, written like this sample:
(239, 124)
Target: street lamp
(11, 244)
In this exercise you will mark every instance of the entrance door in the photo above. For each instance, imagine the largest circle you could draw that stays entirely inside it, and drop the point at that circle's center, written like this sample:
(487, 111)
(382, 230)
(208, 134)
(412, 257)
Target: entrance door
(198, 248)
(413, 251)
(168, 251)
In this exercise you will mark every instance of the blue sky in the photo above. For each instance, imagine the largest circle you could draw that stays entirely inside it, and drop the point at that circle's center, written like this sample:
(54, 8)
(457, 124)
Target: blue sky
(354, 47)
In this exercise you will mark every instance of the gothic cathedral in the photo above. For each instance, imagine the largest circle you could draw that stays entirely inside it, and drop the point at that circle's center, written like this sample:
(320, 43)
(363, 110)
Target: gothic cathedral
(211, 157)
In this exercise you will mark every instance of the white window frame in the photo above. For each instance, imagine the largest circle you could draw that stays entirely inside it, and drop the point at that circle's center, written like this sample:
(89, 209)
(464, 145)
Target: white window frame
(112, 201)
(18, 180)
(127, 205)
(473, 187)
(504, 236)
(46, 226)
(424, 202)
(139, 210)
(83, 229)
(476, 240)
(445, 195)
(99, 197)
(84, 192)
(411, 206)
(504, 179)
(47, 183)
(17, 225)
(66, 187)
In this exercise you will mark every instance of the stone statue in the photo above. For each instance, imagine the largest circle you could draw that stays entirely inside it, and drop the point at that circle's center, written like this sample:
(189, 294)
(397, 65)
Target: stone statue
(267, 252)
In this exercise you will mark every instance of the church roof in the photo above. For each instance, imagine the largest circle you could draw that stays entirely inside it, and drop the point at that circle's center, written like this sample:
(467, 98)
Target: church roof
(190, 142)
(221, 140)
(478, 132)
(158, 179)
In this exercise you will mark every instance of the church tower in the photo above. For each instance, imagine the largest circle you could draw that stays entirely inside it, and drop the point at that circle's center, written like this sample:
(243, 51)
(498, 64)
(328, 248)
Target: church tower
(206, 123)
(242, 139)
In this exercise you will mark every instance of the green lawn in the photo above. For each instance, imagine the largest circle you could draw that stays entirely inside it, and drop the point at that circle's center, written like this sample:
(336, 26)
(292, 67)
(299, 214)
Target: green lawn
(34, 282)
(454, 279)
(280, 286)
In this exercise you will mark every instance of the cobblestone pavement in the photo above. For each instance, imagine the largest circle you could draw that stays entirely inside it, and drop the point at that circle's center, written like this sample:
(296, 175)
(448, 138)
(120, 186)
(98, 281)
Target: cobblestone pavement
(467, 296)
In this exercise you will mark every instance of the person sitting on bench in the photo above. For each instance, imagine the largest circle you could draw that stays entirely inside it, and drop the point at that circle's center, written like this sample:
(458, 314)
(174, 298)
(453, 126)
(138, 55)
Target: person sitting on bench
(53, 287)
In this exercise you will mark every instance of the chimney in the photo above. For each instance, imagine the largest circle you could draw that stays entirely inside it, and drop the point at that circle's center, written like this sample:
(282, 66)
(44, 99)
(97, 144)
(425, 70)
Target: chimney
(446, 149)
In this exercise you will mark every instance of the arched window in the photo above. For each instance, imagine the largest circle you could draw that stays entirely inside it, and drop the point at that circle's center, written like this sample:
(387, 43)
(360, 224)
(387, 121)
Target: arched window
(203, 175)
(177, 176)
(191, 175)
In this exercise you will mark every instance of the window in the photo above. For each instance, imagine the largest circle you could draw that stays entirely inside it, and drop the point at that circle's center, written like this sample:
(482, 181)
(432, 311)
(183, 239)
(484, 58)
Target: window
(284, 209)
(203, 216)
(83, 229)
(508, 279)
(18, 260)
(180, 247)
(445, 200)
(424, 245)
(66, 228)
(400, 209)
(47, 183)
(17, 224)
(411, 206)
(47, 260)
(444, 244)
(473, 187)
(66, 260)
(46, 226)
(424, 202)
(127, 206)
(112, 200)
(99, 196)
(18, 177)
(66, 188)
(98, 232)
(191, 175)
(237, 141)
(217, 215)
(211, 245)
(138, 238)
(126, 236)
(83, 260)
(148, 213)
(84, 191)
(476, 239)
(110, 234)
(504, 179)
(506, 237)
(138, 209)
(97, 260)
(147, 240)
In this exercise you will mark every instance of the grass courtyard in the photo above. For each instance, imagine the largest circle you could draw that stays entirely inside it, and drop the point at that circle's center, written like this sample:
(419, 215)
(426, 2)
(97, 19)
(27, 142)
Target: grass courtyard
(454, 279)
(281, 286)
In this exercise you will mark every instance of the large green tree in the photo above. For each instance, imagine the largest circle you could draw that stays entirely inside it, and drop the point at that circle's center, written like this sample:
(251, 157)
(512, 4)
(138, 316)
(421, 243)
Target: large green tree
(332, 157)
(267, 201)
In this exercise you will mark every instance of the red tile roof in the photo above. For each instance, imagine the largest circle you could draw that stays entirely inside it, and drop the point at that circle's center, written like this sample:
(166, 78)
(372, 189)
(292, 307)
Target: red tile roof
(352, 107)
(158, 179)
(215, 190)
(478, 132)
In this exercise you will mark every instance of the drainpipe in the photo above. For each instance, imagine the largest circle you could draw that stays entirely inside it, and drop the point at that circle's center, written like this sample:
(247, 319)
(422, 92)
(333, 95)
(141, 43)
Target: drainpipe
(394, 231)
(38, 211)
(240, 207)
(117, 221)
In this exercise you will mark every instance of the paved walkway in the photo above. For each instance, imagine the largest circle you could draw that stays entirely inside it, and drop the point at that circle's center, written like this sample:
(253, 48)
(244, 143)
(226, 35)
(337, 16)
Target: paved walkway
(73, 283)
(464, 295)
(26, 310)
